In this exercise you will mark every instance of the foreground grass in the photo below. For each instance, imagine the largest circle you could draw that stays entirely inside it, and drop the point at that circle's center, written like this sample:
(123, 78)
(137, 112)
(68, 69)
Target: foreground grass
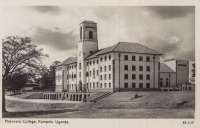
(118, 105)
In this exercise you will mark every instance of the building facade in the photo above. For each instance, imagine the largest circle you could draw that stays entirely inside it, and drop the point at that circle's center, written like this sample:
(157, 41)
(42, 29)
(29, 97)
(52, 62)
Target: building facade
(121, 67)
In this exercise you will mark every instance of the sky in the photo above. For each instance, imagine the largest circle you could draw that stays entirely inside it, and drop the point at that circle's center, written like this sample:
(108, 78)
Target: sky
(169, 30)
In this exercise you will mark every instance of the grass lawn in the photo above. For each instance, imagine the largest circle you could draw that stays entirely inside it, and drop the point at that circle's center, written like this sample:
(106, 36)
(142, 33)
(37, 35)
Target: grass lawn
(118, 105)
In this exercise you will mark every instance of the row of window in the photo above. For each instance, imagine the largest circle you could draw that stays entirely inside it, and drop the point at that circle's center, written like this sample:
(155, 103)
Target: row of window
(126, 68)
(97, 61)
(126, 76)
(134, 85)
(93, 85)
(105, 68)
(71, 67)
(105, 77)
(141, 58)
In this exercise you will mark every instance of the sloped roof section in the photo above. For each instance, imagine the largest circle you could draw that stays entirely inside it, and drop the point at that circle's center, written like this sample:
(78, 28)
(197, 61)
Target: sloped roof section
(68, 61)
(125, 47)
(134, 47)
(165, 68)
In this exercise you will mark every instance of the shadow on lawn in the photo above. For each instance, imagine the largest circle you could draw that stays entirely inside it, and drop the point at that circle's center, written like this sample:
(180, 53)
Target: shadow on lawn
(31, 114)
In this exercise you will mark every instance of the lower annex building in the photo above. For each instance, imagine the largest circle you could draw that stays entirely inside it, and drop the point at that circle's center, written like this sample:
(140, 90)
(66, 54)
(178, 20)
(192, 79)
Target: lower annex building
(121, 67)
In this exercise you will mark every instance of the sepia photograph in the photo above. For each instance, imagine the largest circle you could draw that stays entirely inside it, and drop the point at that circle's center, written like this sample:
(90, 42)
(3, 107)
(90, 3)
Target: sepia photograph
(98, 62)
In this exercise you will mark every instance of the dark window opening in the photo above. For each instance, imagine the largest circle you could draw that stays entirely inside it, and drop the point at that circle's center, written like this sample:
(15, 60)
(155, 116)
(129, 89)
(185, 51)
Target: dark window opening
(133, 58)
(125, 76)
(133, 85)
(148, 58)
(125, 67)
(90, 35)
(141, 85)
(148, 85)
(125, 57)
(141, 58)
(125, 85)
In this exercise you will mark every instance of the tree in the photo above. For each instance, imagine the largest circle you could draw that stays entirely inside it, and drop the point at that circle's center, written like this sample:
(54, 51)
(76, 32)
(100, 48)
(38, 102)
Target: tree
(52, 69)
(48, 75)
(17, 81)
(18, 54)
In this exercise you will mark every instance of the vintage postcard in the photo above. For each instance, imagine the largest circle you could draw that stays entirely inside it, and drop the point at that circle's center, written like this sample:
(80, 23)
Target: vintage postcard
(100, 64)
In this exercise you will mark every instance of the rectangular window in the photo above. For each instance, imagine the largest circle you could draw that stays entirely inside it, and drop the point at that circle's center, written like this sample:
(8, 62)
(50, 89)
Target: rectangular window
(104, 77)
(126, 67)
(140, 85)
(97, 72)
(148, 68)
(147, 58)
(125, 76)
(101, 85)
(105, 58)
(105, 68)
(100, 69)
(79, 74)
(90, 85)
(109, 76)
(147, 85)
(125, 85)
(93, 73)
(133, 67)
(87, 63)
(133, 85)
(133, 76)
(109, 67)
(140, 58)
(141, 77)
(109, 85)
(79, 65)
(101, 77)
(93, 62)
(101, 59)
(105, 85)
(97, 85)
(148, 77)
(90, 73)
(90, 62)
(109, 57)
(97, 61)
(140, 68)
(94, 85)
(125, 57)
(133, 58)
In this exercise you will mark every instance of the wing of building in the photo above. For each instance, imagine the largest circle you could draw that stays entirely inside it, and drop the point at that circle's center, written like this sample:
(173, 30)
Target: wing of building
(124, 66)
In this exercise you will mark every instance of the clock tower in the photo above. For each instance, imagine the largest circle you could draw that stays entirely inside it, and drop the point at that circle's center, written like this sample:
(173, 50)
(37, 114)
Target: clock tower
(87, 45)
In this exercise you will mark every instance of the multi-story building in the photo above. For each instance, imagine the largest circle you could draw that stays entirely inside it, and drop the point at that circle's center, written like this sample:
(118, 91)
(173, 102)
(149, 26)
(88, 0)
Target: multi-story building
(121, 67)
(174, 72)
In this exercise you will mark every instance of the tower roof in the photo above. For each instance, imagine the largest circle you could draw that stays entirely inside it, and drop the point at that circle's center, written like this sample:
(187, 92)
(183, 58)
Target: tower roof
(126, 47)
(87, 21)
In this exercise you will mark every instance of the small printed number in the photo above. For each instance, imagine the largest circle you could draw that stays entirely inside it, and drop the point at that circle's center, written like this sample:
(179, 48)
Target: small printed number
(188, 122)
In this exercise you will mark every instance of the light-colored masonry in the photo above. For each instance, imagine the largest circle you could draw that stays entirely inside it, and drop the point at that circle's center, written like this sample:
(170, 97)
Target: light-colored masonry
(121, 67)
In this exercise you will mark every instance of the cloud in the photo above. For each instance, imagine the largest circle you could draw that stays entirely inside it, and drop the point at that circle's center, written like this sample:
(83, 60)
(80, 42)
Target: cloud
(168, 46)
(55, 38)
(54, 10)
(169, 12)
